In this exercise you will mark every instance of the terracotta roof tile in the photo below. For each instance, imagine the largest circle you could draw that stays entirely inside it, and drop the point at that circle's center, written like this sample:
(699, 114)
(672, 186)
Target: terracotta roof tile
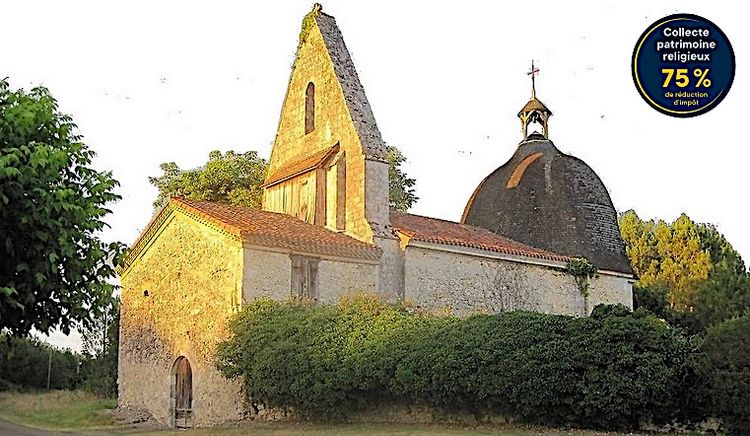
(270, 229)
(439, 231)
(301, 166)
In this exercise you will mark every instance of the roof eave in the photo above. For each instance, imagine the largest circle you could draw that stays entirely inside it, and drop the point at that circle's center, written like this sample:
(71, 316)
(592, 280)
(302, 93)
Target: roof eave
(549, 261)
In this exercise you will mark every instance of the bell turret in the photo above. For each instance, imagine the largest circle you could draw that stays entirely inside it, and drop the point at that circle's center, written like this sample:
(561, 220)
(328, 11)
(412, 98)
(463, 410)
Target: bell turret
(534, 112)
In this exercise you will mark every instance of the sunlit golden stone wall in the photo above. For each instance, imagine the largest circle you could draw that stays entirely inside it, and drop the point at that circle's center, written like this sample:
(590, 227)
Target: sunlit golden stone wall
(333, 124)
(193, 275)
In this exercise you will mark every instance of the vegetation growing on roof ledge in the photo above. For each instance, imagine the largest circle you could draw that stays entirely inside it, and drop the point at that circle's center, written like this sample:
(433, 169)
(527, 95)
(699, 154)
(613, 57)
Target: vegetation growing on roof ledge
(307, 24)
(582, 270)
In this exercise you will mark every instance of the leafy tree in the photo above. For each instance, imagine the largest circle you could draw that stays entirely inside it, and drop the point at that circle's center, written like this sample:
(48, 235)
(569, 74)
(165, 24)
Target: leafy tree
(98, 335)
(653, 299)
(401, 195)
(54, 267)
(670, 255)
(235, 178)
(231, 178)
(689, 273)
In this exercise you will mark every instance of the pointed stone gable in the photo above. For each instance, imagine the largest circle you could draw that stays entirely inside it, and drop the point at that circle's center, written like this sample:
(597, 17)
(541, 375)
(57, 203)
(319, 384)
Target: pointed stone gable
(342, 112)
(354, 93)
(329, 163)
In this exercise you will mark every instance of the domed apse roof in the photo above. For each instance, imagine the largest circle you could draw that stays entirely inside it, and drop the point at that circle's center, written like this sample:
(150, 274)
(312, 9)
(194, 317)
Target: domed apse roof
(552, 201)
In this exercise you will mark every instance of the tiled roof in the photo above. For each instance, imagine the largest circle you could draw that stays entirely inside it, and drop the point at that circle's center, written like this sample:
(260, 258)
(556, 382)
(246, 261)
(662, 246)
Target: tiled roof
(420, 228)
(301, 166)
(258, 227)
(270, 229)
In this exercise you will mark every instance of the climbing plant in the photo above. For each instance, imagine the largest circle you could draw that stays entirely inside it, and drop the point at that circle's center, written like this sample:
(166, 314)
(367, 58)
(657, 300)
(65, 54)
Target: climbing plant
(582, 270)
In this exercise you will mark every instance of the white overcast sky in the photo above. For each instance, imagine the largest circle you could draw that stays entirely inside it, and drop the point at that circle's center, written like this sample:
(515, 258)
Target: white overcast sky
(156, 81)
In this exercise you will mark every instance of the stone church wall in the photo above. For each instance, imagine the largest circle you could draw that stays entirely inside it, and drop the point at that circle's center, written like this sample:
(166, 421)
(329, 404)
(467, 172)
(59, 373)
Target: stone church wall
(193, 277)
(339, 278)
(465, 283)
(611, 289)
(268, 274)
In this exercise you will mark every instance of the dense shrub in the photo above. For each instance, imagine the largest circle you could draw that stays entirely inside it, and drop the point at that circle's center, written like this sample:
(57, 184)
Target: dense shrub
(316, 359)
(723, 366)
(652, 298)
(608, 370)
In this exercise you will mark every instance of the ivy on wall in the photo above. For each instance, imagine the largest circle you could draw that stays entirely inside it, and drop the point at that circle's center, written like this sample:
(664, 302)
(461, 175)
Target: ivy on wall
(582, 270)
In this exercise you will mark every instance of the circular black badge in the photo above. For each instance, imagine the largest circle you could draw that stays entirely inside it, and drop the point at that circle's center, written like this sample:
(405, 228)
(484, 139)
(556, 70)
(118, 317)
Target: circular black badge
(683, 65)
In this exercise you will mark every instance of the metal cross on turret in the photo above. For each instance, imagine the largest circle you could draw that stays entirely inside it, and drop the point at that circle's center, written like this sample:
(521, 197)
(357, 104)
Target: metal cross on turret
(534, 71)
(534, 111)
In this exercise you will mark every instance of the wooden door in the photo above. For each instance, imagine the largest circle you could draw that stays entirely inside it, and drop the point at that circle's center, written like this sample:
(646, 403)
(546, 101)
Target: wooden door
(183, 393)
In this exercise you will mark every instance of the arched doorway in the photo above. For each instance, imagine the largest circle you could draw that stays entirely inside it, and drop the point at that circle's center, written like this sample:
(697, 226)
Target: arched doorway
(182, 392)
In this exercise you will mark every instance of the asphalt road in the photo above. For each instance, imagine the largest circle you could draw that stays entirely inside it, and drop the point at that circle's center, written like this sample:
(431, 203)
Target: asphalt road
(8, 428)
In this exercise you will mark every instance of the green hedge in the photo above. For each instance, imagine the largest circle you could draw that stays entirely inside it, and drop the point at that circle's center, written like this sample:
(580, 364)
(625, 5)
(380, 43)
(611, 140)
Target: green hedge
(723, 369)
(610, 370)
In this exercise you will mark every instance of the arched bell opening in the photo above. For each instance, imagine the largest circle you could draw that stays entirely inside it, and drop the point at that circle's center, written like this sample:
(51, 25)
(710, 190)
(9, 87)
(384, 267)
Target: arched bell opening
(535, 123)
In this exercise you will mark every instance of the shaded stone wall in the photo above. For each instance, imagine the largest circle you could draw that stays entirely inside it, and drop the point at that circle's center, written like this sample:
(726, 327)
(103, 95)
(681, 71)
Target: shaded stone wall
(268, 274)
(463, 284)
(610, 289)
(432, 279)
(376, 198)
(339, 278)
(391, 272)
(193, 277)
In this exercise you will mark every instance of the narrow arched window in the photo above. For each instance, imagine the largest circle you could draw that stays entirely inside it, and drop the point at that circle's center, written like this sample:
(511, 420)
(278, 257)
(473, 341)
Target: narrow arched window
(310, 108)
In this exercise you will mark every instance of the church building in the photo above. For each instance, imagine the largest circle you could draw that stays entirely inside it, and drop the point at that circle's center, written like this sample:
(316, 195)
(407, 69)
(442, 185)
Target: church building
(325, 230)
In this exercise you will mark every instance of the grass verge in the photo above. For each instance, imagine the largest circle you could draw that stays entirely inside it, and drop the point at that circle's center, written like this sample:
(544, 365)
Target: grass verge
(309, 429)
(57, 410)
(80, 411)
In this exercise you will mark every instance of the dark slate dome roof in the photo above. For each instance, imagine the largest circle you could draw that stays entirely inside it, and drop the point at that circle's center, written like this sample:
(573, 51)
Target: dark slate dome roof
(552, 201)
